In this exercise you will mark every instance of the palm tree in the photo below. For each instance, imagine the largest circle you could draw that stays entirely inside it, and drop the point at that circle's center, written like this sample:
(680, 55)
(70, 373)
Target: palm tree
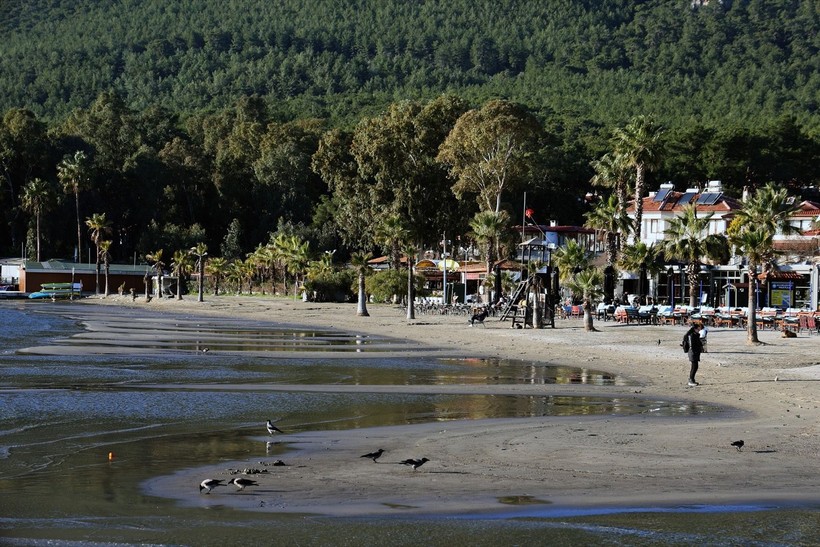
(487, 228)
(610, 218)
(181, 267)
(73, 174)
(756, 244)
(296, 259)
(359, 260)
(217, 267)
(97, 226)
(612, 172)
(684, 240)
(639, 146)
(158, 264)
(392, 233)
(410, 252)
(37, 199)
(105, 245)
(641, 258)
(200, 251)
(587, 282)
(570, 259)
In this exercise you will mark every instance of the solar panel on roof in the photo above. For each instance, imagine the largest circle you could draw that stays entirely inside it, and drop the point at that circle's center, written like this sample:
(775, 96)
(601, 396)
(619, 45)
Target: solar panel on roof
(686, 198)
(703, 198)
(661, 195)
(714, 198)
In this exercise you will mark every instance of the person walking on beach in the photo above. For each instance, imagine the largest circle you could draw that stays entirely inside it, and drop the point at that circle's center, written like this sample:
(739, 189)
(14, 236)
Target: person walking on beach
(693, 347)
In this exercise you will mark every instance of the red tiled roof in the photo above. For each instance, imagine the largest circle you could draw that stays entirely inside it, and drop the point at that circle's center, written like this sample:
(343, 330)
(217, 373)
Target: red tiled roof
(725, 204)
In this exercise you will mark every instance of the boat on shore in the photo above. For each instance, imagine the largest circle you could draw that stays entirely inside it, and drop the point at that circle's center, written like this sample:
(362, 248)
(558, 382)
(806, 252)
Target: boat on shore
(58, 290)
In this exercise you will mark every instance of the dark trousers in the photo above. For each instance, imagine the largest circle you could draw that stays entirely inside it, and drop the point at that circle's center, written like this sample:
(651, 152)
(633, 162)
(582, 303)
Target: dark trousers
(694, 359)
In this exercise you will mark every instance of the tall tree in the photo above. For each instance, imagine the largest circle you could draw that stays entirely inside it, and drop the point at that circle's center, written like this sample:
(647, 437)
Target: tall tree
(360, 262)
(490, 150)
(588, 283)
(105, 245)
(686, 240)
(98, 226)
(37, 198)
(756, 244)
(73, 172)
(639, 145)
(217, 267)
(200, 251)
(181, 267)
(487, 229)
(609, 218)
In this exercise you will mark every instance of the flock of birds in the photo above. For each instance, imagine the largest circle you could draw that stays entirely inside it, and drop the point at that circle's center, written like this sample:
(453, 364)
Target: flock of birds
(241, 482)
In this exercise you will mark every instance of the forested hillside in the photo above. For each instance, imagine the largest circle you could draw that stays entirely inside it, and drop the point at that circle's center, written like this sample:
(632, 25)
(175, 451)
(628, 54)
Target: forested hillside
(601, 60)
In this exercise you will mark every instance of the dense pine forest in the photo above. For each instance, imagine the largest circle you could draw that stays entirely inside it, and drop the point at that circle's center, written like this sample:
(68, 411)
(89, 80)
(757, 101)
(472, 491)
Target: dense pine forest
(233, 122)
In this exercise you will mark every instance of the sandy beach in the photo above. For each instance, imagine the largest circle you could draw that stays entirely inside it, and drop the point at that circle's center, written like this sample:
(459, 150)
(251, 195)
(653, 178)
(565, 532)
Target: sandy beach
(493, 465)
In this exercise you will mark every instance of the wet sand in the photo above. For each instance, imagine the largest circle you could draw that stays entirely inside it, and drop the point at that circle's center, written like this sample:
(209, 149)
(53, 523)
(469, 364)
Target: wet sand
(537, 463)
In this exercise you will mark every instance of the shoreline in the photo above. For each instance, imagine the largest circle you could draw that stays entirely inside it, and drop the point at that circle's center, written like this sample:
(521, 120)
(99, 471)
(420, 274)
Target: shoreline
(567, 461)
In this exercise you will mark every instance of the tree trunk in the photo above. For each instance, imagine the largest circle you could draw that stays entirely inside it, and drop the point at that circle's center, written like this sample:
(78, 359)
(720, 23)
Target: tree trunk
(38, 237)
(639, 183)
(751, 328)
(361, 309)
(107, 271)
(411, 292)
(97, 274)
(588, 325)
(201, 279)
(79, 235)
(692, 270)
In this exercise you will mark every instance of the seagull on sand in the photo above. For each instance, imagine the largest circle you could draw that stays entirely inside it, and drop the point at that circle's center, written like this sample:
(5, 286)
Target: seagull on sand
(415, 463)
(272, 428)
(210, 484)
(374, 455)
(738, 445)
(241, 483)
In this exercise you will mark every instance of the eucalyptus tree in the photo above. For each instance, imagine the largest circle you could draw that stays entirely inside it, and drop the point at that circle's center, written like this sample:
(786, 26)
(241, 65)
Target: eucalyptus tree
(73, 173)
(360, 262)
(487, 228)
(686, 240)
(37, 199)
(588, 283)
(491, 150)
(98, 226)
(395, 154)
(639, 146)
(200, 251)
(181, 267)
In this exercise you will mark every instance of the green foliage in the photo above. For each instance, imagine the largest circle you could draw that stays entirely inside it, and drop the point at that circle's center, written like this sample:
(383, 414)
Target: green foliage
(332, 286)
(384, 285)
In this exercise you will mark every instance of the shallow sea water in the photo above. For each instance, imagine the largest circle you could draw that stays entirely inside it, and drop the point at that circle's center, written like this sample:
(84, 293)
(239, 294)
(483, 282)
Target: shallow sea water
(60, 417)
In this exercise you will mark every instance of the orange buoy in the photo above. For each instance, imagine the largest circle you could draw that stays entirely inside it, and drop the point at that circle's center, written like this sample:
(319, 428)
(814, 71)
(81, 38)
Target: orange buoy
(110, 456)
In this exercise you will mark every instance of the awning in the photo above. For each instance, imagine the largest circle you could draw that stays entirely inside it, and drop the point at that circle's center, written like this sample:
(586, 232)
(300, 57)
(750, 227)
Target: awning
(780, 275)
(449, 264)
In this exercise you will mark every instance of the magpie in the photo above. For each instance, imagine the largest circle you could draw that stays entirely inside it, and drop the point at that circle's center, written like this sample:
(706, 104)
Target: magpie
(241, 483)
(738, 445)
(374, 455)
(272, 428)
(210, 484)
(415, 463)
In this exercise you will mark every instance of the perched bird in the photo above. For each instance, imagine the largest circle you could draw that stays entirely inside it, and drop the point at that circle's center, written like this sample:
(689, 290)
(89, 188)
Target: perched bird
(738, 445)
(210, 484)
(272, 428)
(415, 463)
(241, 483)
(374, 455)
